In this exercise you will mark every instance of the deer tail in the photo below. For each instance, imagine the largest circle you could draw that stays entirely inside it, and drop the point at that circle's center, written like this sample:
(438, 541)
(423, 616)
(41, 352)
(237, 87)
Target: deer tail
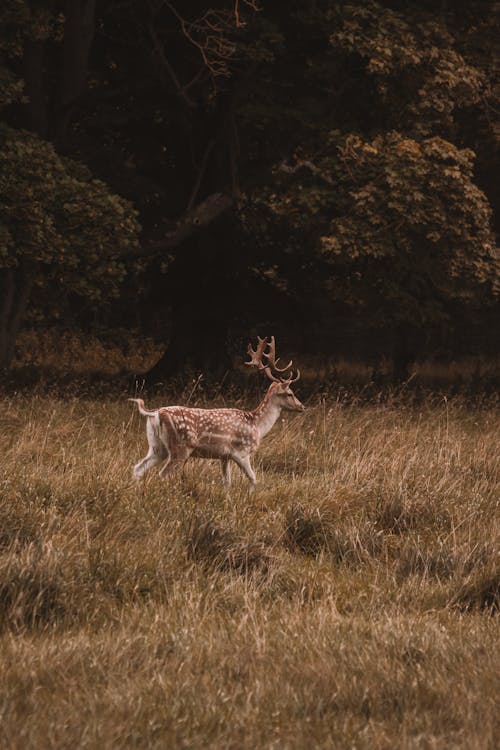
(143, 411)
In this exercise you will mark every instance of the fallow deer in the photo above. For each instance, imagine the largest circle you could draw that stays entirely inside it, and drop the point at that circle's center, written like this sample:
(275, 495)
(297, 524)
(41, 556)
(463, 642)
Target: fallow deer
(177, 432)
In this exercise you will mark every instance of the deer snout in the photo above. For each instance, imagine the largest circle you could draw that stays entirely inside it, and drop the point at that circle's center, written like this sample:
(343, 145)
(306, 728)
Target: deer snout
(297, 405)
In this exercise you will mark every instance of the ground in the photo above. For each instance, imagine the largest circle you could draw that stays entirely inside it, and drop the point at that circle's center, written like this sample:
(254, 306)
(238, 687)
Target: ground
(350, 602)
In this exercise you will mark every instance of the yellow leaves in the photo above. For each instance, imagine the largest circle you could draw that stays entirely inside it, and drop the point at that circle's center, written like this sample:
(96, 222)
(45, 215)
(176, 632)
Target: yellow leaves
(367, 194)
(415, 202)
(408, 147)
(414, 62)
(57, 215)
(453, 172)
(376, 65)
(331, 244)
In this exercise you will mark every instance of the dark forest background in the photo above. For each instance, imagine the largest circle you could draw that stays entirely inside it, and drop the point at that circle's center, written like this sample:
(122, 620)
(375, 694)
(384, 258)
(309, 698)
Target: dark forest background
(201, 171)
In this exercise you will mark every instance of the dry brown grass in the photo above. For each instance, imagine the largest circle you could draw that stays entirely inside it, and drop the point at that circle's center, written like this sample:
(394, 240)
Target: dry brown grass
(350, 602)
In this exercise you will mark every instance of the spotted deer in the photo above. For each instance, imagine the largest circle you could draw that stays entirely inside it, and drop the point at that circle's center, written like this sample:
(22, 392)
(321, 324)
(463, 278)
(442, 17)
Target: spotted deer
(176, 433)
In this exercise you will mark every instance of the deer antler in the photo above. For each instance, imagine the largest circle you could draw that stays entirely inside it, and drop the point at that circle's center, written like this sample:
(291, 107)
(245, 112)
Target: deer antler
(259, 352)
(271, 357)
(256, 358)
(294, 380)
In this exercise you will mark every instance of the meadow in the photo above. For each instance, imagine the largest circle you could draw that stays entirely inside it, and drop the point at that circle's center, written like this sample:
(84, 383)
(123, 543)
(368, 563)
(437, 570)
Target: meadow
(350, 602)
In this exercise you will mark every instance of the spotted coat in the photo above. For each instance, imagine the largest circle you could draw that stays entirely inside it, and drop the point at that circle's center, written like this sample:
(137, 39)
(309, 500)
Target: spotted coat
(177, 432)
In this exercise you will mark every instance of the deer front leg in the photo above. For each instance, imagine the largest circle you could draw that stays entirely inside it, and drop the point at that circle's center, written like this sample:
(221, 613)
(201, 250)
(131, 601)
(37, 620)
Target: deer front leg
(226, 472)
(244, 464)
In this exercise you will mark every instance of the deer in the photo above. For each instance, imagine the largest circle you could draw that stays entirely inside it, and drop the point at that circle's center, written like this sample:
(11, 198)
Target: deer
(176, 433)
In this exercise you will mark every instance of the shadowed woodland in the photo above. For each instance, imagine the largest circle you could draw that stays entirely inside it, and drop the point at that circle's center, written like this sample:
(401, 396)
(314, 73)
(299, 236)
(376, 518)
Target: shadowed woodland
(200, 172)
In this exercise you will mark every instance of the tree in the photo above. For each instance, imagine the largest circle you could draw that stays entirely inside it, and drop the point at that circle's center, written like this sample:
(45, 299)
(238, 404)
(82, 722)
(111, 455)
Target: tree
(61, 231)
(415, 236)
(371, 162)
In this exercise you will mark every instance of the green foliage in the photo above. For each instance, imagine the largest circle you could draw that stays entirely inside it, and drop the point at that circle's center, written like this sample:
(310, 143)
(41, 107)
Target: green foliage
(380, 173)
(358, 140)
(411, 57)
(63, 227)
(416, 229)
(21, 19)
(22, 22)
(11, 88)
(13, 16)
(60, 229)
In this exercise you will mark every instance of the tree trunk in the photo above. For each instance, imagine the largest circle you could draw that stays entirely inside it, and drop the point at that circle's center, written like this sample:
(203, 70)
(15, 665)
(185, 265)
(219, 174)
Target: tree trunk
(404, 352)
(202, 281)
(79, 30)
(196, 345)
(200, 289)
(33, 72)
(16, 286)
(50, 120)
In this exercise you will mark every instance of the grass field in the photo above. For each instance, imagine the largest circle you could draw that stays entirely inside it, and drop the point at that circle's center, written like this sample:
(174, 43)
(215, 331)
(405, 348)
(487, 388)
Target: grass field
(350, 602)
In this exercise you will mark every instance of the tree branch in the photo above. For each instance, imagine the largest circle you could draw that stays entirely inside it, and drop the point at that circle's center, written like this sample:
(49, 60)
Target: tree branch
(211, 33)
(306, 164)
(166, 66)
(189, 224)
(199, 176)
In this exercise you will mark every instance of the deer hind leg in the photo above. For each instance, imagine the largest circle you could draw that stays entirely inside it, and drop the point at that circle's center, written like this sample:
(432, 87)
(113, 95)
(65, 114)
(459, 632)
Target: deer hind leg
(226, 472)
(244, 464)
(156, 454)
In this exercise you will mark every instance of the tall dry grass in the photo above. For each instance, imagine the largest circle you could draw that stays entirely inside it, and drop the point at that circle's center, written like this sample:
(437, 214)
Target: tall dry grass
(350, 602)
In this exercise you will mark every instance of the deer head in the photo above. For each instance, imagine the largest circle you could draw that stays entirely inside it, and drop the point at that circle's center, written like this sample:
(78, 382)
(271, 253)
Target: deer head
(280, 389)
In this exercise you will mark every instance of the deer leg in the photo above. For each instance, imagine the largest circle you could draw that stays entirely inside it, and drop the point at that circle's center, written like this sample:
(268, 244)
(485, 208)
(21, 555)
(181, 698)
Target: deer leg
(169, 467)
(175, 462)
(156, 454)
(246, 466)
(226, 472)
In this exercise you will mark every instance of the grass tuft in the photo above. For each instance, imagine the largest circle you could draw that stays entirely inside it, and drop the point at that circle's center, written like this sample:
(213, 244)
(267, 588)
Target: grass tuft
(307, 530)
(32, 588)
(220, 548)
(481, 591)
(314, 531)
(434, 561)
(400, 513)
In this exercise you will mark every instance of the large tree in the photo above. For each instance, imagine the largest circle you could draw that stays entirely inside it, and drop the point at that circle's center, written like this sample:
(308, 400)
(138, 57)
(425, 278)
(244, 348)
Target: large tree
(62, 232)
(378, 160)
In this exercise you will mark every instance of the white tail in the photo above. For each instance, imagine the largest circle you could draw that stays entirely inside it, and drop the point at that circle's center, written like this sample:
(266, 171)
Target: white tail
(176, 433)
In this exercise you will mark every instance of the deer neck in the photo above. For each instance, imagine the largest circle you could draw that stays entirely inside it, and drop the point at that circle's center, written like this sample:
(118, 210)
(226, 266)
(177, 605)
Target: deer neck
(266, 414)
